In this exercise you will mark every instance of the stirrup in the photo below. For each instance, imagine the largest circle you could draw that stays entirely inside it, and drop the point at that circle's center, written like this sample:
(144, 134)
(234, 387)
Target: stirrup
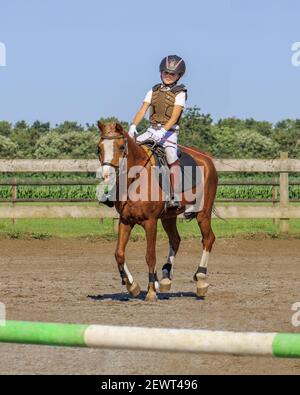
(173, 204)
(109, 203)
(189, 215)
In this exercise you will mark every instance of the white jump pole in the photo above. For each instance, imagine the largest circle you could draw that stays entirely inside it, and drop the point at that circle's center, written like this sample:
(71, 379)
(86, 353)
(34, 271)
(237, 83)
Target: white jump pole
(152, 339)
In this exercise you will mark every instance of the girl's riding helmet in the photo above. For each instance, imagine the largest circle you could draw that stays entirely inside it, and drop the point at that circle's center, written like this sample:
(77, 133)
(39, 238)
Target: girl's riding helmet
(173, 64)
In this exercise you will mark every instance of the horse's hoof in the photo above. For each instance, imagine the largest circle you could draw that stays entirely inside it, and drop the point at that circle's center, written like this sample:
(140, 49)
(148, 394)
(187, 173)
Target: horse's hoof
(151, 297)
(202, 287)
(165, 285)
(134, 289)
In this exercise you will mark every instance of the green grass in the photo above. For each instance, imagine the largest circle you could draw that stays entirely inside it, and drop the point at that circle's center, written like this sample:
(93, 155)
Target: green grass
(94, 228)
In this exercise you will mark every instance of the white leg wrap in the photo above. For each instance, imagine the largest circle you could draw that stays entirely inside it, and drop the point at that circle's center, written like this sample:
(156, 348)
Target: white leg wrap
(204, 259)
(203, 265)
(156, 283)
(128, 274)
(170, 260)
(156, 286)
(171, 256)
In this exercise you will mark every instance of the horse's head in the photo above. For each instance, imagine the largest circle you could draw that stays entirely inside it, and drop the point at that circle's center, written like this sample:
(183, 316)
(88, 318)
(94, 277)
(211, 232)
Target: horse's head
(112, 146)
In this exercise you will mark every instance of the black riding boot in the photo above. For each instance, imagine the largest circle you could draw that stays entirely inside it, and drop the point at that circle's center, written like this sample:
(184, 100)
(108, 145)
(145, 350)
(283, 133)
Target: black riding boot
(174, 202)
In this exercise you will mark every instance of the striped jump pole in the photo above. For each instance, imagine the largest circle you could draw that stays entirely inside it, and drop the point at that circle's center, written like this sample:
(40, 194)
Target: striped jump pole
(283, 345)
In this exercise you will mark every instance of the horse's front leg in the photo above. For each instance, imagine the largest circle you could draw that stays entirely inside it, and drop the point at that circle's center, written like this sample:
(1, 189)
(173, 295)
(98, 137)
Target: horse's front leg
(150, 227)
(127, 279)
(208, 239)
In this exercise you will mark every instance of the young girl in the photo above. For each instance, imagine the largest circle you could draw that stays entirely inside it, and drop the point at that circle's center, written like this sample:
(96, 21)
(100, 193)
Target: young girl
(166, 102)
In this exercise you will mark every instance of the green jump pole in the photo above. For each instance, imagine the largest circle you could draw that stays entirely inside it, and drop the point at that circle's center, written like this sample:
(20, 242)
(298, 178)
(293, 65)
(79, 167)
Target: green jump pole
(282, 345)
(51, 334)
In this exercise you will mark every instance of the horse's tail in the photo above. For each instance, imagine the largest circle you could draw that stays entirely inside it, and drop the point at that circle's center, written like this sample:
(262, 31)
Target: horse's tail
(215, 211)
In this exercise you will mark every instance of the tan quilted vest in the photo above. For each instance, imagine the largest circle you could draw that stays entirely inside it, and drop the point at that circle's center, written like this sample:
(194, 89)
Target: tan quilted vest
(162, 105)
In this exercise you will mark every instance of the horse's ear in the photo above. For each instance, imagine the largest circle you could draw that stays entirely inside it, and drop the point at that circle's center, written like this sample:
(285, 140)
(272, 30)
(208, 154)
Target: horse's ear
(119, 128)
(101, 126)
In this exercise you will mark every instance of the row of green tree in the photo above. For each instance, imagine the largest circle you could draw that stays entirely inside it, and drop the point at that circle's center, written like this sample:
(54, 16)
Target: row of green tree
(226, 138)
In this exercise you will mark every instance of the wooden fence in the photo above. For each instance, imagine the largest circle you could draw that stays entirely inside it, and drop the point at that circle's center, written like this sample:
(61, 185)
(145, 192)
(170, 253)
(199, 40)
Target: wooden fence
(283, 211)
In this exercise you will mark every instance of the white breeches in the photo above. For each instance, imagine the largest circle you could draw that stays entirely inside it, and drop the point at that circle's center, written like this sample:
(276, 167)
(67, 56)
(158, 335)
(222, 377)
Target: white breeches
(170, 145)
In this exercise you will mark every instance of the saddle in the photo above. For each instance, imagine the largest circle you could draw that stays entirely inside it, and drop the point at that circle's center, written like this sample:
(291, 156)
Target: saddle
(187, 165)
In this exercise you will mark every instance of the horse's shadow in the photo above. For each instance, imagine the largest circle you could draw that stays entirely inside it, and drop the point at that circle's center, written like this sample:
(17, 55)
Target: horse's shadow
(125, 297)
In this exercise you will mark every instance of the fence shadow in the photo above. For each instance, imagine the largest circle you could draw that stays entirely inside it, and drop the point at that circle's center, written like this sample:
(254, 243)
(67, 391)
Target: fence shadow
(125, 297)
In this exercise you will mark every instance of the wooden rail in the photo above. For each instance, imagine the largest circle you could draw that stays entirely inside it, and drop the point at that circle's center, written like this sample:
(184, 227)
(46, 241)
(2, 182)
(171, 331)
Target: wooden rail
(90, 165)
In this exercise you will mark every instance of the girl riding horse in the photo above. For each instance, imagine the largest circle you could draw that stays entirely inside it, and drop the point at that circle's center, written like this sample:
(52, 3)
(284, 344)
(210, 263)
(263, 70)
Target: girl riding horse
(166, 101)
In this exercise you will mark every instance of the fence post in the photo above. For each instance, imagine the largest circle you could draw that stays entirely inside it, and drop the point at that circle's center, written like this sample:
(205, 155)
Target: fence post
(14, 195)
(275, 197)
(284, 194)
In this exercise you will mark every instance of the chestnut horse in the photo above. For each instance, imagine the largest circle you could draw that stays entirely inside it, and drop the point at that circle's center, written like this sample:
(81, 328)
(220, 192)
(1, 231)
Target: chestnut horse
(114, 145)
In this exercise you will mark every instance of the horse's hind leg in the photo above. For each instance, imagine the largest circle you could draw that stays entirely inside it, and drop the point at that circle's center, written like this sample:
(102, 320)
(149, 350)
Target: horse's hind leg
(169, 225)
(208, 238)
(127, 279)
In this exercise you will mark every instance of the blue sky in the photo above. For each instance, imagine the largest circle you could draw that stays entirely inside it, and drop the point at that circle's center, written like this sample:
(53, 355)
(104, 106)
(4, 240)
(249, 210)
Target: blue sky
(82, 60)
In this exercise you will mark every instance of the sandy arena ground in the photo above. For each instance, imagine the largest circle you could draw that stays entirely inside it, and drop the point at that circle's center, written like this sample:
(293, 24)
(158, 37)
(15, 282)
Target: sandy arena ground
(253, 286)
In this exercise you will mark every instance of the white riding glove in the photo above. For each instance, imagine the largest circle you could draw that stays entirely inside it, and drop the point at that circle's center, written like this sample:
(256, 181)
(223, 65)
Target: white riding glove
(160, 139)
(132, 130)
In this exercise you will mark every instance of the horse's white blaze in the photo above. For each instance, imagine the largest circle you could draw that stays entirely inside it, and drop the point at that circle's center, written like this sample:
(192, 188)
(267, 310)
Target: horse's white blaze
(128, 274)
(108, 156)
